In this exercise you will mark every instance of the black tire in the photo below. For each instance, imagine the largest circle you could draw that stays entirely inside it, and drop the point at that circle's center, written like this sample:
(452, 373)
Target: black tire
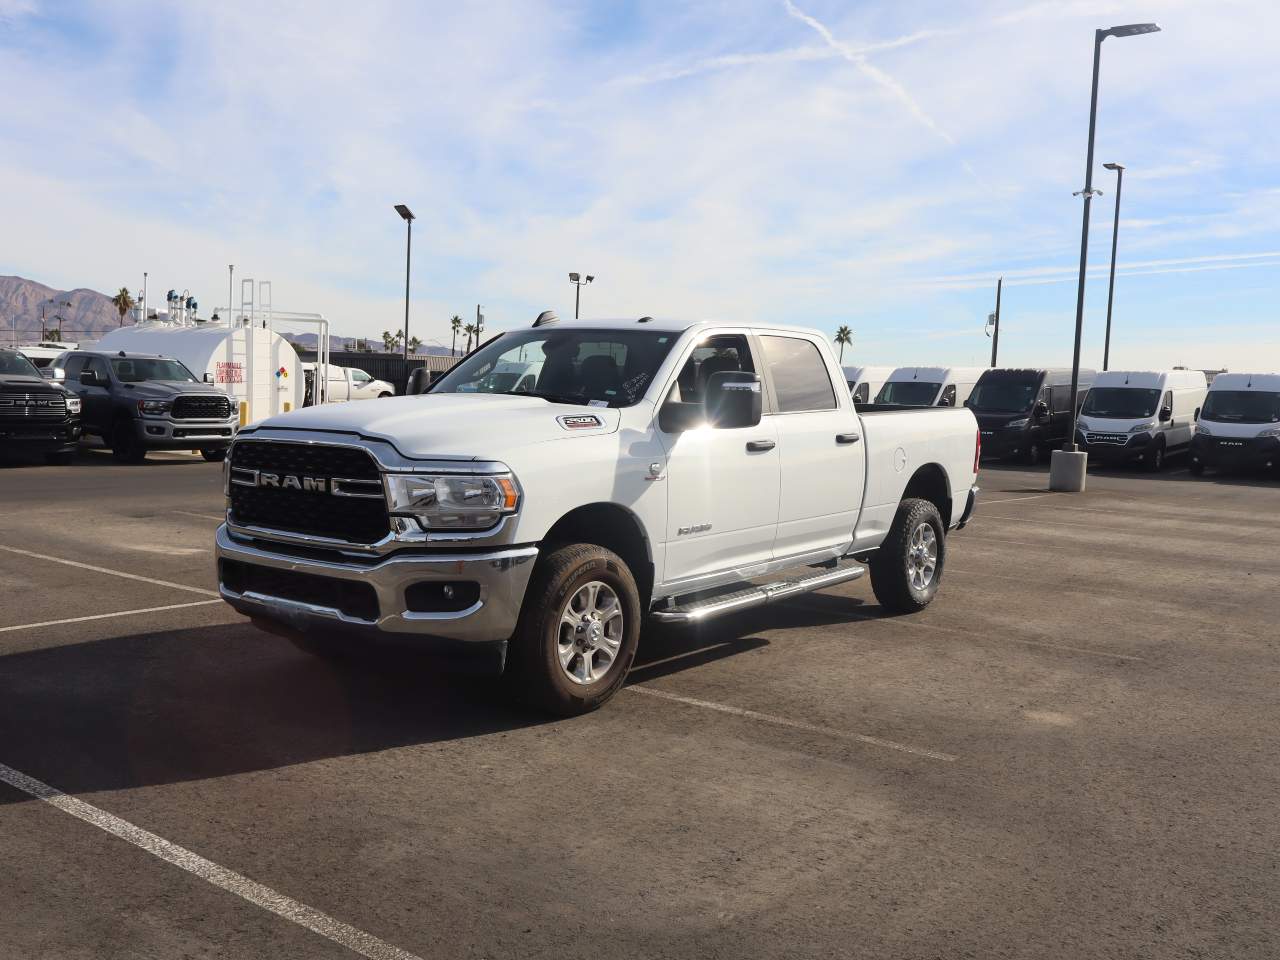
(125, 445)
(1033, 456)
(383, 395)
(62, 458)
(1195, 468)
(534, 670)
(214, 456)
(893, 564)
(1154, 461)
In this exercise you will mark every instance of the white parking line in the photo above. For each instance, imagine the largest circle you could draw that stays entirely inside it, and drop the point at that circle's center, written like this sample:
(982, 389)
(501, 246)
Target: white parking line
(256, 893)
(792, 724)
(114, 573)
(1038, 496)
(108, 616)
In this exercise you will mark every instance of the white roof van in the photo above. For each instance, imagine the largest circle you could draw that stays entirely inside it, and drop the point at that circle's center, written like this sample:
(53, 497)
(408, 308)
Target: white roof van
(1140, 415)
(1239, 425)
(929, 386)
(865, 382)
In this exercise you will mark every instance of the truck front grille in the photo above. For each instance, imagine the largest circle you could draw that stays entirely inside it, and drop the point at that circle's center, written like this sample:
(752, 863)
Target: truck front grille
(1119, 439)
(45, 406)
(201, 408)
(289, 487)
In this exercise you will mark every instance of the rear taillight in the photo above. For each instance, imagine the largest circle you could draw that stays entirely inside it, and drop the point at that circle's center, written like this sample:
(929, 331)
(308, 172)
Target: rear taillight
(977, 450)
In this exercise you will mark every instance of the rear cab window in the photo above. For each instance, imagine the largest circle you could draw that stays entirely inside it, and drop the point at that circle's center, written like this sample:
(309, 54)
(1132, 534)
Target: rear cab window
(801, 381)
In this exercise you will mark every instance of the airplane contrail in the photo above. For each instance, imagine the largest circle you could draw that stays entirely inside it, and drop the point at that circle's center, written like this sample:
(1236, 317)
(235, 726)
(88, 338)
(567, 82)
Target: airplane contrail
(873, 73)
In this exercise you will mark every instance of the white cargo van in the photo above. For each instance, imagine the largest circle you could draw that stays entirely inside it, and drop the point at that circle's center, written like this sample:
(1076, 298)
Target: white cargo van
(1239, 425)
(865, 382)
(1140, 415)
(929, 386)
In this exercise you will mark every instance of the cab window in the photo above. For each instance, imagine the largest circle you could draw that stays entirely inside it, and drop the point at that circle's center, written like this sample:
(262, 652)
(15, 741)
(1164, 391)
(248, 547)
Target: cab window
(863, 393)
(800, 377)
(948, 398)
(713, 355)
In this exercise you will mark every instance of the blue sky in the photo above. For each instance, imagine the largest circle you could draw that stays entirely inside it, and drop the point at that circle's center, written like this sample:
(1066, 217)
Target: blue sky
(811, 162)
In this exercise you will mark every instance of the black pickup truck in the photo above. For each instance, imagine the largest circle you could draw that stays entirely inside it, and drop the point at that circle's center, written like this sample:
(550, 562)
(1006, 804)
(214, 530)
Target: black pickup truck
(136, 402)
(36, 416)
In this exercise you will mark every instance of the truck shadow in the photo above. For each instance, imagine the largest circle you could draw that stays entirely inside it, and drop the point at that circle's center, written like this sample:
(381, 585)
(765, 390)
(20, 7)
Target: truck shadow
(174, 706)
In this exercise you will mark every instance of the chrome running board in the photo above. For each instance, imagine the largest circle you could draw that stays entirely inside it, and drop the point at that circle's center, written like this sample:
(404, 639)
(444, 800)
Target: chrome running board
(694, 611)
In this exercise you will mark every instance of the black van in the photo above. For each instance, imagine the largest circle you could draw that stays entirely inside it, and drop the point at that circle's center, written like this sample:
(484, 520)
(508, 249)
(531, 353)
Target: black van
(1024, 413)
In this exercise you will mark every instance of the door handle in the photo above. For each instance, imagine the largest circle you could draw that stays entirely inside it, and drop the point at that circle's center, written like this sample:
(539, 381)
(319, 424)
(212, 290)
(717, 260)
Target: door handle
(760, 446)
(847, 438)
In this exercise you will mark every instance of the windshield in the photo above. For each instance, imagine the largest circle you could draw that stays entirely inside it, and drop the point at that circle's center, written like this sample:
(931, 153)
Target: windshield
(1121, 403)
(602, 367)
(1241, 406)
(139, 369)
(908, 393)
(1003, 395)
(16, 365)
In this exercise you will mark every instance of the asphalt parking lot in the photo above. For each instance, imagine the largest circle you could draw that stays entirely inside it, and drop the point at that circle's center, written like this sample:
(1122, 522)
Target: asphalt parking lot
(1069, 754)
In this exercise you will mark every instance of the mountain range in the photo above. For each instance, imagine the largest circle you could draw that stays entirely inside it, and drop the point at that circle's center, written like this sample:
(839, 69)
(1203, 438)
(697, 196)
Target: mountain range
(81, 314)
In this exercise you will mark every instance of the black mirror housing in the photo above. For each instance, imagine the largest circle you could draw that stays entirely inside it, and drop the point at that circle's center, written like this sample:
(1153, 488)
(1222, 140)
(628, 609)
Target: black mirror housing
(1166, 414)
(1042, 410)
(88, 377)
(677, 417)
(733, 399)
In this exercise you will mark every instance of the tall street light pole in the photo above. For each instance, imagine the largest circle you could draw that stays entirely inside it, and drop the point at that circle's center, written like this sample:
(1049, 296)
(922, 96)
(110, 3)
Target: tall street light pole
(1115, 235)
(407, 215)
(1126, 30)
(578, 282)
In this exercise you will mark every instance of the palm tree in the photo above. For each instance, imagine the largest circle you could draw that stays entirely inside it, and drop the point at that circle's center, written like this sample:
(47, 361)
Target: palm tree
(455, 324)
(123, 302)
(388, 341)
(844, 337)
(414, 344)
(470, 331)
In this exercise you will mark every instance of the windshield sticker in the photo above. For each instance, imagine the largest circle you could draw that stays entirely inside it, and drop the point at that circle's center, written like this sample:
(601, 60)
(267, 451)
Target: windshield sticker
(581, 422)
(598, 403)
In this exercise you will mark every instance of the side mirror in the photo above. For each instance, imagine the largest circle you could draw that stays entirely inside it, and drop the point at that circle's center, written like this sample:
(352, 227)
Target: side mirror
(1196, 415)
(733, 399)
(208, 378)
(88, 378)
(419, 381)
(945, 402)
(1042, 410)
(1166, 414)
(53, 373)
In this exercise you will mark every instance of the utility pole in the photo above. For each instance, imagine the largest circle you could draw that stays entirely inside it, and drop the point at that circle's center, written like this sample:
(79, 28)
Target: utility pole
(995, 334)
(479, 323)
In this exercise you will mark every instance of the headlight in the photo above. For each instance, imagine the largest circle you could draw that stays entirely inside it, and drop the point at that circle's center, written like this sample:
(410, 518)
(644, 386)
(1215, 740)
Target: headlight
(1204, 431)
(1269, 432)
(1017, 424)
(73, 404)
(152, 407)
(452, 502)
(1142, 428)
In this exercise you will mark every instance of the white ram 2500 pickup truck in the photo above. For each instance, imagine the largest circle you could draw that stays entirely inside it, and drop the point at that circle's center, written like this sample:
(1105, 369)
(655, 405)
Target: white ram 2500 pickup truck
(675, 471)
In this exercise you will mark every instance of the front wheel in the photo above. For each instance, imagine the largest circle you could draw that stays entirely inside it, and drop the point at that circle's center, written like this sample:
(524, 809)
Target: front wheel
(1155, 459)
(905, 571)
(578, 631)
(125, 445)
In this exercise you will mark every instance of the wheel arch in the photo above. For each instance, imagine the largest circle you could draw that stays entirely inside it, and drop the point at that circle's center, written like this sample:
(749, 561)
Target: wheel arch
(615, 528)
(930, 482)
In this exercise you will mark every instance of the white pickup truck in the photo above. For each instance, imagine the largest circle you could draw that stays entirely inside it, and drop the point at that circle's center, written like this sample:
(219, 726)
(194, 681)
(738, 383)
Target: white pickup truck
(350, 383)
(656, 469)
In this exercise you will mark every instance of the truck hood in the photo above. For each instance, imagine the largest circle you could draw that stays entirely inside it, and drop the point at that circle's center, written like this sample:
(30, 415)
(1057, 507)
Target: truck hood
(465, 426)
(164, 389)
(31, 384)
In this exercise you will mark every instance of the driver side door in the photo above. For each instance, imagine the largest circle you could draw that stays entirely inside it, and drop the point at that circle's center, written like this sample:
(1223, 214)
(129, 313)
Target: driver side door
(722, 483)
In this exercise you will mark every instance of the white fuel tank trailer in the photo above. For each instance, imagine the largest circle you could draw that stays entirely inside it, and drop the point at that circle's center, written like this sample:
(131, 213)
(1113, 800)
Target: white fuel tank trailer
(254, 364)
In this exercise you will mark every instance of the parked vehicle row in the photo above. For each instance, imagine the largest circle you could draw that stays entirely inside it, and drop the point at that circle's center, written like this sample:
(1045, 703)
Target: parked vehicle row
(37, 417)
(674, 471)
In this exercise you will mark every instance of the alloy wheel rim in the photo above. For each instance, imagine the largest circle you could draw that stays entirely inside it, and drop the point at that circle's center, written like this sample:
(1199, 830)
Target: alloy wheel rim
(590, 632)
(922, 556)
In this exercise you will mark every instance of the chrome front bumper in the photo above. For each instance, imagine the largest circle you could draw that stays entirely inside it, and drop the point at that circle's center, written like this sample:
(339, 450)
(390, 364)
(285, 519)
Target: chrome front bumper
(165, 432)
(502, 576)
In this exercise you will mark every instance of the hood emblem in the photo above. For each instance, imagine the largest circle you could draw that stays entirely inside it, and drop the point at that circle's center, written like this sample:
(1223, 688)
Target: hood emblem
(585, 421)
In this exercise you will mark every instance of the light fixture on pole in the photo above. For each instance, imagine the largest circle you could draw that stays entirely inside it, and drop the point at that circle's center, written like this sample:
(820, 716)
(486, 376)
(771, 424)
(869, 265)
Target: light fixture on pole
(578, 282)
(1111, 285)
(1072, 477)
(407, 215)
(992, 329)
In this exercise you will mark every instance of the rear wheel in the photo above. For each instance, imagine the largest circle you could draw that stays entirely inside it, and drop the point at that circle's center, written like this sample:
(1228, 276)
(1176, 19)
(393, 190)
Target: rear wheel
(907, 568)
(1033, 456)
(125, 445)
(578, 630)
(214, 456)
